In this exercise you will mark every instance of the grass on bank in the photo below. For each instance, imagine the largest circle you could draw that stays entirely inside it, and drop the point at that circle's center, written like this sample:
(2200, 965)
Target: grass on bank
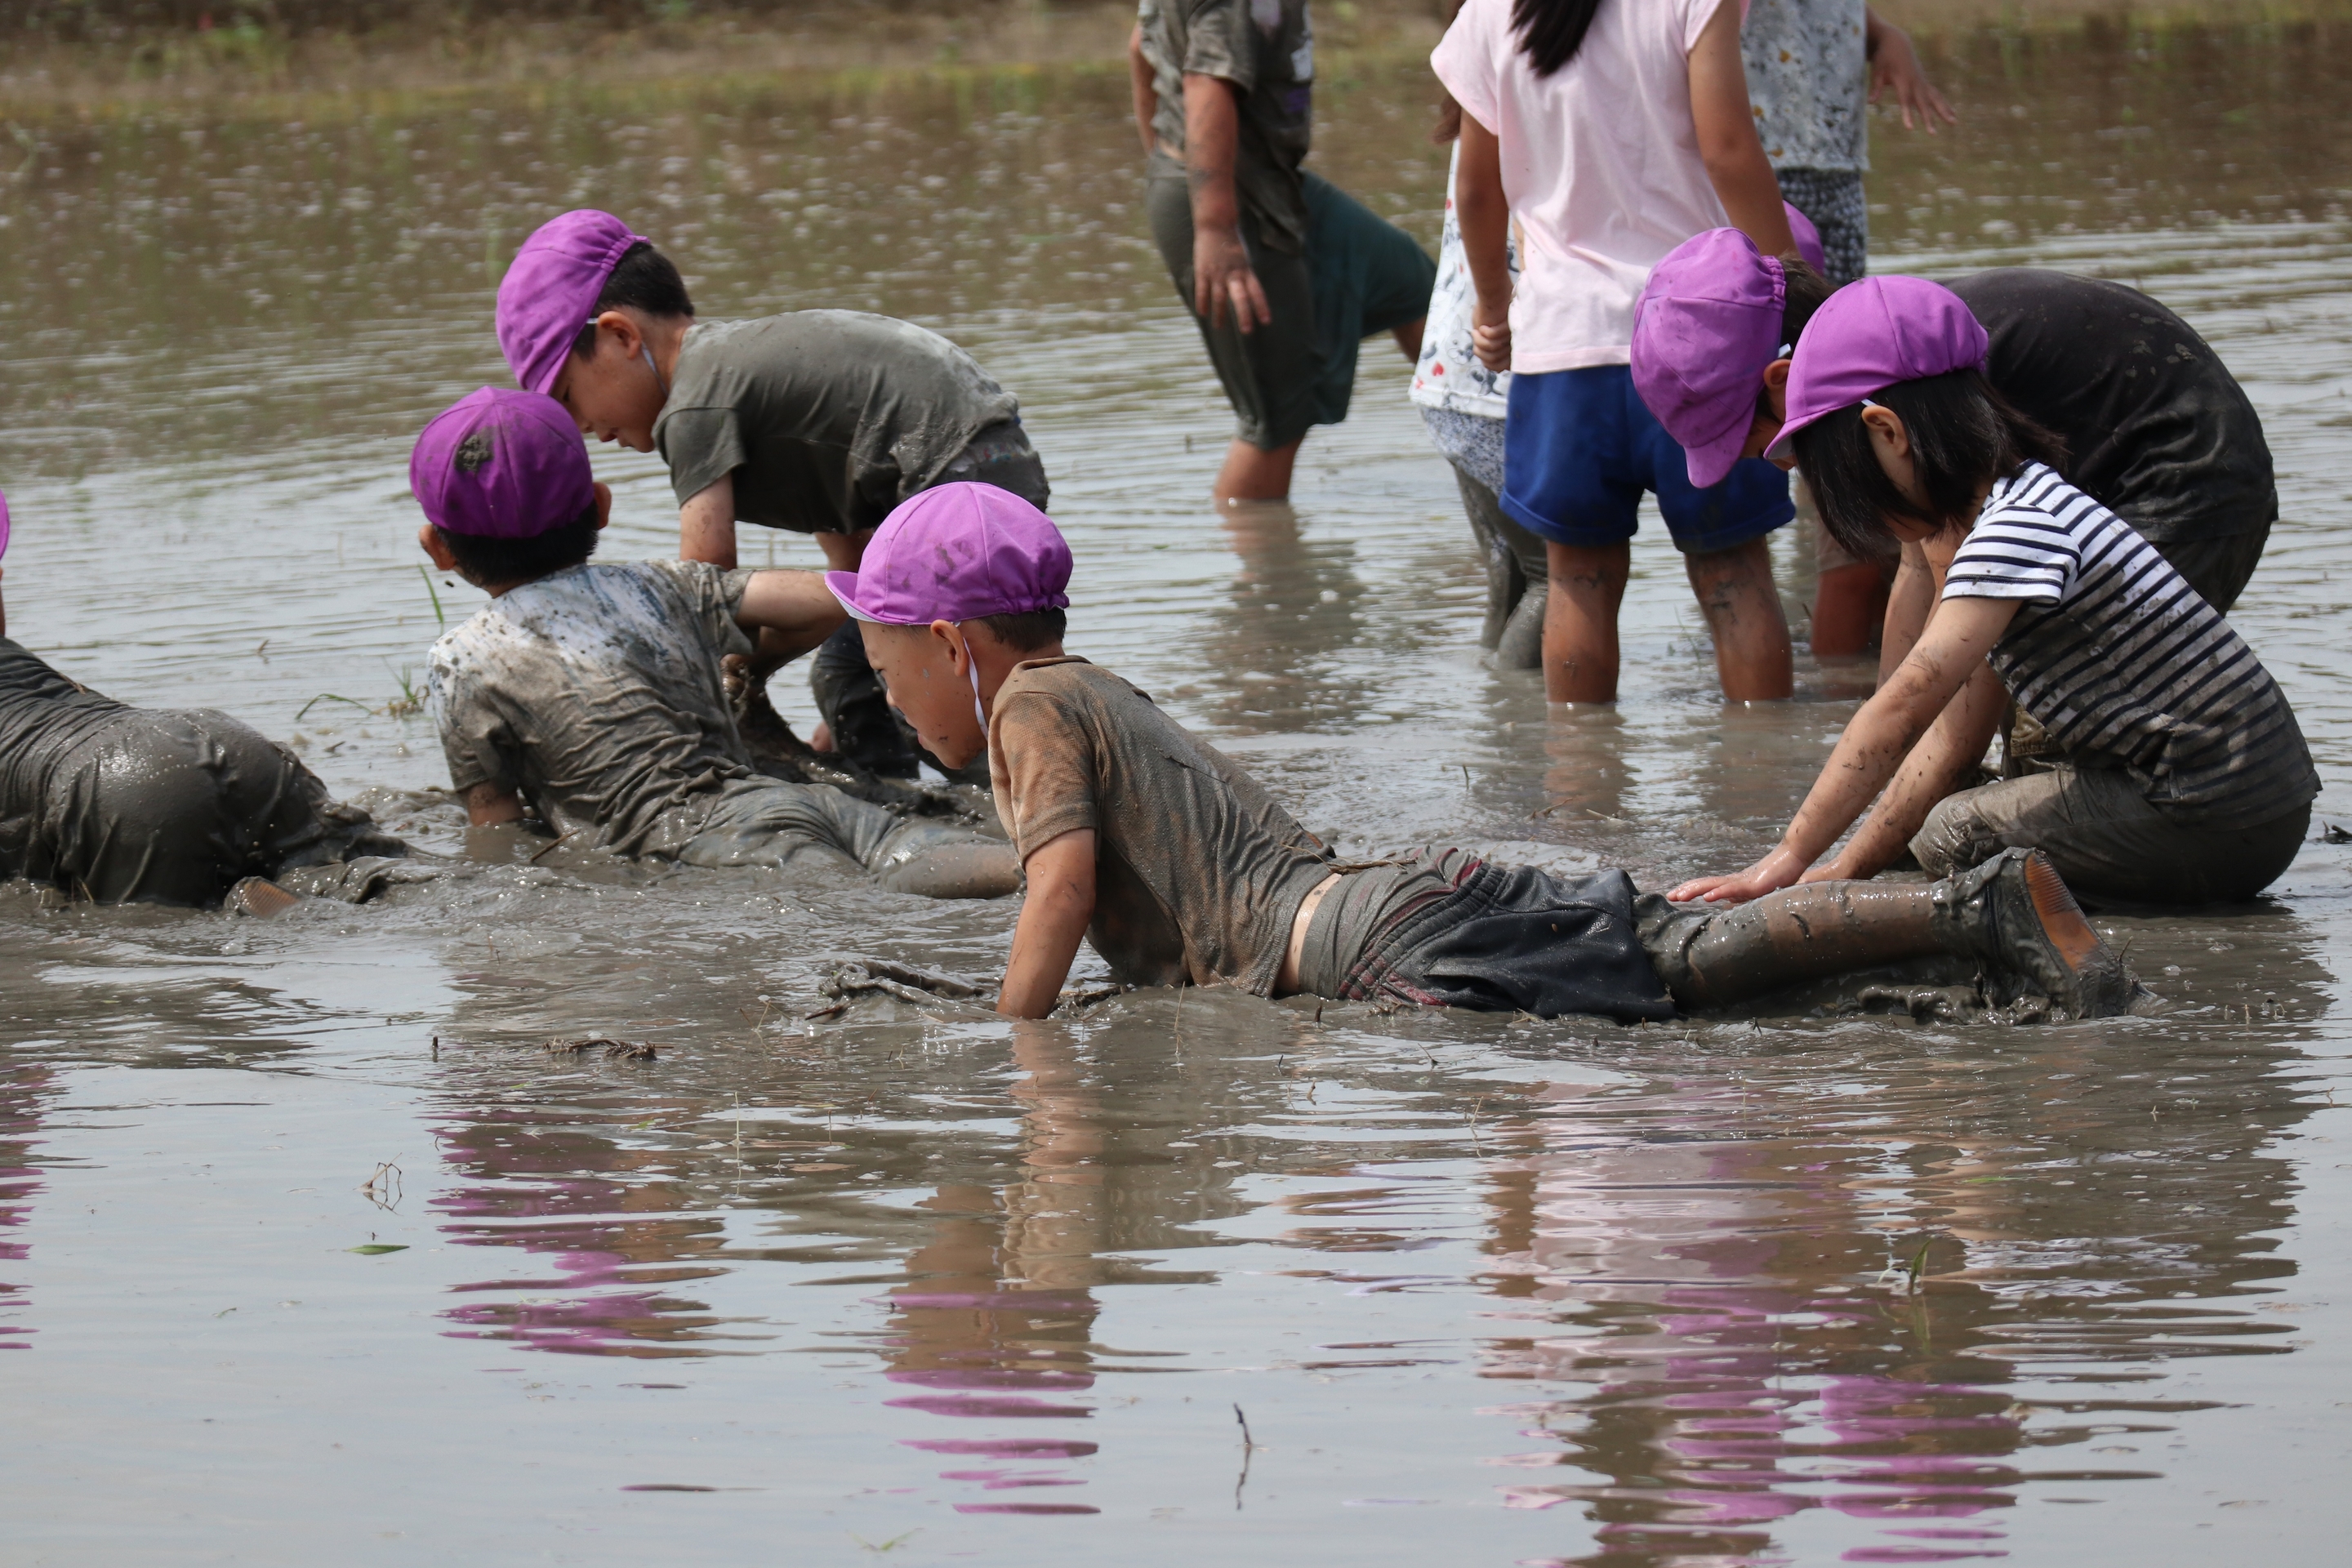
(254, 68)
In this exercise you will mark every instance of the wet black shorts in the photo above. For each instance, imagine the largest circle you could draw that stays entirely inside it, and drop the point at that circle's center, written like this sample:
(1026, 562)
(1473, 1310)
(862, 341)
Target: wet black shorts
(1360, 276)
(1516, 939)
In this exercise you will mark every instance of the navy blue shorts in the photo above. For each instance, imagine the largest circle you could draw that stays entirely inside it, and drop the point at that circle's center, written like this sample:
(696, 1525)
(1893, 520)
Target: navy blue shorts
(1580, 447)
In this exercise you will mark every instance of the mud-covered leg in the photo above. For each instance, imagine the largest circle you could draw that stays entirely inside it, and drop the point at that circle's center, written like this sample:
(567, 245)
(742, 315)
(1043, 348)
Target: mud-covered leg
(2013, 914)
(1712, 956)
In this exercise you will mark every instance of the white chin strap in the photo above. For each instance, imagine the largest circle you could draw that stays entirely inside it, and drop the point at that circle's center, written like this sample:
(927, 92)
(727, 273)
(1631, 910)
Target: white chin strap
(971, 668)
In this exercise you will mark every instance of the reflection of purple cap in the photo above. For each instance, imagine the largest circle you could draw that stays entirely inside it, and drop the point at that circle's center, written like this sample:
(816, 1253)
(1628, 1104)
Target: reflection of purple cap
(1807, 238)
(1706, 324)
(503, 465)
(957, 552)
(1869, 336)
(550, 290)
(4, 525)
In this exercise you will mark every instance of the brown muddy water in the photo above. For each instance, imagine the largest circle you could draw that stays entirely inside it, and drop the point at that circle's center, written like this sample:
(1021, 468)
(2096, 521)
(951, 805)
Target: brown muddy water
(919, 1285)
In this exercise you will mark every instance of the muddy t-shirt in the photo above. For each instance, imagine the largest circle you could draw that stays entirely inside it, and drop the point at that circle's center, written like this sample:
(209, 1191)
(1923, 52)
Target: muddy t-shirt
(826, 418)
(595, 692)
(44, 720)
(1267, 50)
(2157, 428)
(1198, 872)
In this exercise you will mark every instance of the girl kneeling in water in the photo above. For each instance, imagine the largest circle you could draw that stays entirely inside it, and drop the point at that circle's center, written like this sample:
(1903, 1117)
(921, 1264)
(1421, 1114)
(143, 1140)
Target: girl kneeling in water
(2182, 779)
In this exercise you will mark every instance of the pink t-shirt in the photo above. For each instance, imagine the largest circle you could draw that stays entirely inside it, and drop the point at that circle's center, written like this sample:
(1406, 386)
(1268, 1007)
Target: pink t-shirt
(1600, 161)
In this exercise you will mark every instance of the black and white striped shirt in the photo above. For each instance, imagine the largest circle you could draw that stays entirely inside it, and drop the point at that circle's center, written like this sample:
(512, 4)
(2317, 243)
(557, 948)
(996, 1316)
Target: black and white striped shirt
(2124, 664)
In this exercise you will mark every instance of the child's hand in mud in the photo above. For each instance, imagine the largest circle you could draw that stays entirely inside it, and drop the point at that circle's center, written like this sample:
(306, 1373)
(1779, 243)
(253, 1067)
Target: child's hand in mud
(1779, 869)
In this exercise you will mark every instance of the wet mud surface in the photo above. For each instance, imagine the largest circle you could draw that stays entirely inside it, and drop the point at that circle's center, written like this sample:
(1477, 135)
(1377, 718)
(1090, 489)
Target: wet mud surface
(912, 1282)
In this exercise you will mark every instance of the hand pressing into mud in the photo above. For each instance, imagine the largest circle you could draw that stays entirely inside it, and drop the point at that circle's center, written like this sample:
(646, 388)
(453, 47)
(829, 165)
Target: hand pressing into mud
(1779, 869)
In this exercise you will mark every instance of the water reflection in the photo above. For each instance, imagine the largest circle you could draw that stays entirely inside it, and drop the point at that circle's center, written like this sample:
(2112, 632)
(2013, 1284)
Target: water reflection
(25, 1091)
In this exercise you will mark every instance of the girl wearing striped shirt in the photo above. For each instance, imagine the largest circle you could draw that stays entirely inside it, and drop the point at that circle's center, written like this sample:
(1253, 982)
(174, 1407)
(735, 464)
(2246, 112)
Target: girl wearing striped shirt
(2183, 777)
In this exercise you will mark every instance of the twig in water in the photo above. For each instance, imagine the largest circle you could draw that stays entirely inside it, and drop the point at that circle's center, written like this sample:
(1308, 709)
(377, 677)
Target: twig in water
(553, 847)
(1249, 1446)
(330, 697)
(383, 1186)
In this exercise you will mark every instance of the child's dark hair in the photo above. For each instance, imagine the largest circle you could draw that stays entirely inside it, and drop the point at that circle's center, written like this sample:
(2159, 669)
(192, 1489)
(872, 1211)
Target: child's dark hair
(642, 279)
(1964, 435)
(1551, 31)
(489, 562)
(1029, 631)
(1803, 292)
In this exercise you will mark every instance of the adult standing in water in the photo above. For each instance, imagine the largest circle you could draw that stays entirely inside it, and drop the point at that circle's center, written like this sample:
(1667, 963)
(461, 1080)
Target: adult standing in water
(1814, 67)
(1285, 273)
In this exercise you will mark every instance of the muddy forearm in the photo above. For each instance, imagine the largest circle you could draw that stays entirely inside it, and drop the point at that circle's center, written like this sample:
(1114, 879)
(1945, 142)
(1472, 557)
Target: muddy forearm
(1053, 920)
(1941, 763)
(1212, 141)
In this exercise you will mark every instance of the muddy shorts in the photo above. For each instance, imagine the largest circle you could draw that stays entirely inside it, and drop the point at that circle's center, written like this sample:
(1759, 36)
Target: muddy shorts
(176, 808)
(1505, 938)
(849, 695)
(1360, 276)
(2107, 840)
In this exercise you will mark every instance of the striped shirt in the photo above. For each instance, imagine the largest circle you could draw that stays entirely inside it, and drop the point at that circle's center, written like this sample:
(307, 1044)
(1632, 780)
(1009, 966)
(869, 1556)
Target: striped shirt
(2124, 664)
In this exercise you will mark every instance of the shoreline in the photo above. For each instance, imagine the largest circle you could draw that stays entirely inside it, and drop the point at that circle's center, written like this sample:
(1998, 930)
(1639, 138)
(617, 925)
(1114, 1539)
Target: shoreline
(251, 72)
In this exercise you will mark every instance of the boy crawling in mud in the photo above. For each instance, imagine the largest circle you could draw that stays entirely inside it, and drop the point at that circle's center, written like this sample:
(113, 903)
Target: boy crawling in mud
(1183, 870)
(129, 805)
(594, 692)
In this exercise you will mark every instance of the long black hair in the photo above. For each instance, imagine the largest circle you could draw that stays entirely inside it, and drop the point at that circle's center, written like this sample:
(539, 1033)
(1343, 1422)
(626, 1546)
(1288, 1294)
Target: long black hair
(1551, 31)
(1964, 435)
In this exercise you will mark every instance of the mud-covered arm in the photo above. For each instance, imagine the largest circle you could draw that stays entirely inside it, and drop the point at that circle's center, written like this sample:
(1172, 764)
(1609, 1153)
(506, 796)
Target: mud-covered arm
(791, 612)
(1874, 745)
(1942, 763)
(1053, 920)
(706, 524)
(1908, 604)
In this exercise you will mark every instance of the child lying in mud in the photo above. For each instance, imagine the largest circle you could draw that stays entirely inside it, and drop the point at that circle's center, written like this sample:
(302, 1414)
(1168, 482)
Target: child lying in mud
(594, 692)
(123, 806)
(1182, 869)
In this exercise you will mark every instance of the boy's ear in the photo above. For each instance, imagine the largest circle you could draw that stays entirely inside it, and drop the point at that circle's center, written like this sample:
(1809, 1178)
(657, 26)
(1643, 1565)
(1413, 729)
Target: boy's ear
(429, 538)
(604, 503)
(624, 328)
(1776, 386)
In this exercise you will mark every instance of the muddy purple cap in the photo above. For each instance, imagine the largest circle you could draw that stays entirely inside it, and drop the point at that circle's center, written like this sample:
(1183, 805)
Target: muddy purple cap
(501, 464)
(550, 290)
(1706, 324)
(957, 552)
(1869, 336)
(1807, 238)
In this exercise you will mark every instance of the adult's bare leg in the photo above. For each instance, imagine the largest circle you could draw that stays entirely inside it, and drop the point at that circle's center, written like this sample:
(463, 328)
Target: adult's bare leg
(1743, 611)
(1580, 641)
(1251, 473)
(1849, 605)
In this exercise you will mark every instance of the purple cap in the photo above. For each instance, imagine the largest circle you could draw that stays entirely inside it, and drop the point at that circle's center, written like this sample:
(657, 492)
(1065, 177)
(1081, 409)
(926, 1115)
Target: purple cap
(957, 552)
(502, 465)
(1706, 324)
(550, 292)
(1807, 238)
(1869, 336)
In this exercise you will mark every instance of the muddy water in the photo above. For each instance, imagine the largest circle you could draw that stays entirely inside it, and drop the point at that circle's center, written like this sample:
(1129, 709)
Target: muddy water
(924, 1285)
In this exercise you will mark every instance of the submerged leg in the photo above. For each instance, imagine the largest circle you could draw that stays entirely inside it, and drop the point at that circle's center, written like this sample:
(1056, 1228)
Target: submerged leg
(2013, 913)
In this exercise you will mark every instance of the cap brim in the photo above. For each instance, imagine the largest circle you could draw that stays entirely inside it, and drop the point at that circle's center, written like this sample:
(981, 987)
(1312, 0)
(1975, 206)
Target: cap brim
(1780, 447)
(843, 585)
(1711, 464)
